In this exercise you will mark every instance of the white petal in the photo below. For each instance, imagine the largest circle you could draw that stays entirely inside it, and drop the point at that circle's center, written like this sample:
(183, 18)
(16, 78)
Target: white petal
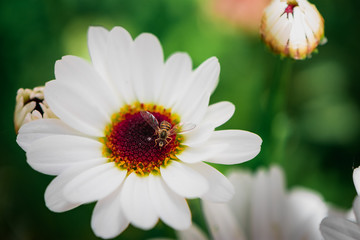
(297, 39)
(204, 78)
(75, 110)
(221, 221)
(108, 219)
(94, 184)
(147, 67)
(41, 128)
(136, 202)
(309, 33)
(304, 211)
(192, 105)
(268, 201)
(219, 113)
(281, 30)
(200, 153)
(276, 194)
(171, 208)
(260, 211)
(356, 208)
(199, 135)
(220, 188)
(274, 11)
(119, 70)
(178, 69)
(98, 48)
(333, 228)
(313, 18)
(356, 179)
(242, 146)
(197, 110)
(80, 97)
(241, 202)
(51, 155)
(184, 180)
(82, 76)
(54, 197)
(193, 233)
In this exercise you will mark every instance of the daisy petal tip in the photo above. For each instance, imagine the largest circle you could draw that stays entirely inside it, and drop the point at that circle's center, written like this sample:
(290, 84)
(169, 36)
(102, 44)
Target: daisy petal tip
(100, 232)
(104, 232)
(21, 141)
(215, 64)
(220, 188)
(119, 30)
(63, 59)
(356, 179)
(147, 38)
(184, 180)
(49, 83)
(256, 138)
(93, 29)
(213, 59)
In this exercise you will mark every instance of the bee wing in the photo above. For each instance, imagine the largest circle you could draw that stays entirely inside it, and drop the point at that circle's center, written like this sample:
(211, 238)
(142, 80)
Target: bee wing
(182, 128)
(150, 119)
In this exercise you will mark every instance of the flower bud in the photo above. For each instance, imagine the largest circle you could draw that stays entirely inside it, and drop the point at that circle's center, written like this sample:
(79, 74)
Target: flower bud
(30, 105)
(292, 28)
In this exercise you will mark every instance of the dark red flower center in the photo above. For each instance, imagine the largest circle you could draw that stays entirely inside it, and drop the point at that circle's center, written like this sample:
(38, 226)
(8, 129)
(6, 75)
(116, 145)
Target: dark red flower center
(131, 142)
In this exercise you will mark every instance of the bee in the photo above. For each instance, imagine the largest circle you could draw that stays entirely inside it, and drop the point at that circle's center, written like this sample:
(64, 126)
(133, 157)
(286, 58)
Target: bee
(165, 129)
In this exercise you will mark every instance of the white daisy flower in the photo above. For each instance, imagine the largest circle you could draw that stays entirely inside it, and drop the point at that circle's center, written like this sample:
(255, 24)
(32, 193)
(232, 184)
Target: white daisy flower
(292, 28)
(340, 228)
(30, 105)
(106, 145)
(262, 209)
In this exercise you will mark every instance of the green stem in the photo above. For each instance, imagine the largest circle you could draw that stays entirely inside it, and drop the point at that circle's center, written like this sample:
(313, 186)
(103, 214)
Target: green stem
(275, 104)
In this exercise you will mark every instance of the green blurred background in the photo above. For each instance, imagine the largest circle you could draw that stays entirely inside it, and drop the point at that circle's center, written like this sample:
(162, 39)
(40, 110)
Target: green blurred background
(309, 120)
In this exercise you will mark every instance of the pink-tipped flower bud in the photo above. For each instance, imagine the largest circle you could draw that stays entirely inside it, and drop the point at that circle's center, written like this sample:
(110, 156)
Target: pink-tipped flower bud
(292, 28)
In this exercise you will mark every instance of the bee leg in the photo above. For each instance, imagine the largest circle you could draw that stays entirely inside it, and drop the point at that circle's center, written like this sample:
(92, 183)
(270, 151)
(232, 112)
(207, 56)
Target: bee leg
(156, 142)
(167, 142)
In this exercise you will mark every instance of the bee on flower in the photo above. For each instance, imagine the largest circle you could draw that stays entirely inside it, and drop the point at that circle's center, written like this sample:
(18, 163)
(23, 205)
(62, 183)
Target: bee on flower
(107, 145)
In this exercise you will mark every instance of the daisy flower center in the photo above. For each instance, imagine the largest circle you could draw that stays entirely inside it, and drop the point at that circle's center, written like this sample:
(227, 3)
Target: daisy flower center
(130, 141)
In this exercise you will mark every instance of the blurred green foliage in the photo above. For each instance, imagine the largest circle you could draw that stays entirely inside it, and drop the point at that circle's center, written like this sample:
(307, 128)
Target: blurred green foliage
(307, 112)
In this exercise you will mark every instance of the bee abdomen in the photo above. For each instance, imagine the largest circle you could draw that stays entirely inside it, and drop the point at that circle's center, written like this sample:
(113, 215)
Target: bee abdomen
(165, 125)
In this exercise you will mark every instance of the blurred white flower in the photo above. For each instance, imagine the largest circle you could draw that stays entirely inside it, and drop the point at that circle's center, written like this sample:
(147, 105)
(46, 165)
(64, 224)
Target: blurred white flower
(105, 147)
(341, 228)
(30, 105)
(292, 28)
(262, 210)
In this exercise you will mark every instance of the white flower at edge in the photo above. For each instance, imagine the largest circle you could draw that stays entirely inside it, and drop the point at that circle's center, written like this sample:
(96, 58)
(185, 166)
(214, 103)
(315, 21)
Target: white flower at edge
(262, 210)
(101, 148)
(30, 106)
(338, 228)
(292, 28)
